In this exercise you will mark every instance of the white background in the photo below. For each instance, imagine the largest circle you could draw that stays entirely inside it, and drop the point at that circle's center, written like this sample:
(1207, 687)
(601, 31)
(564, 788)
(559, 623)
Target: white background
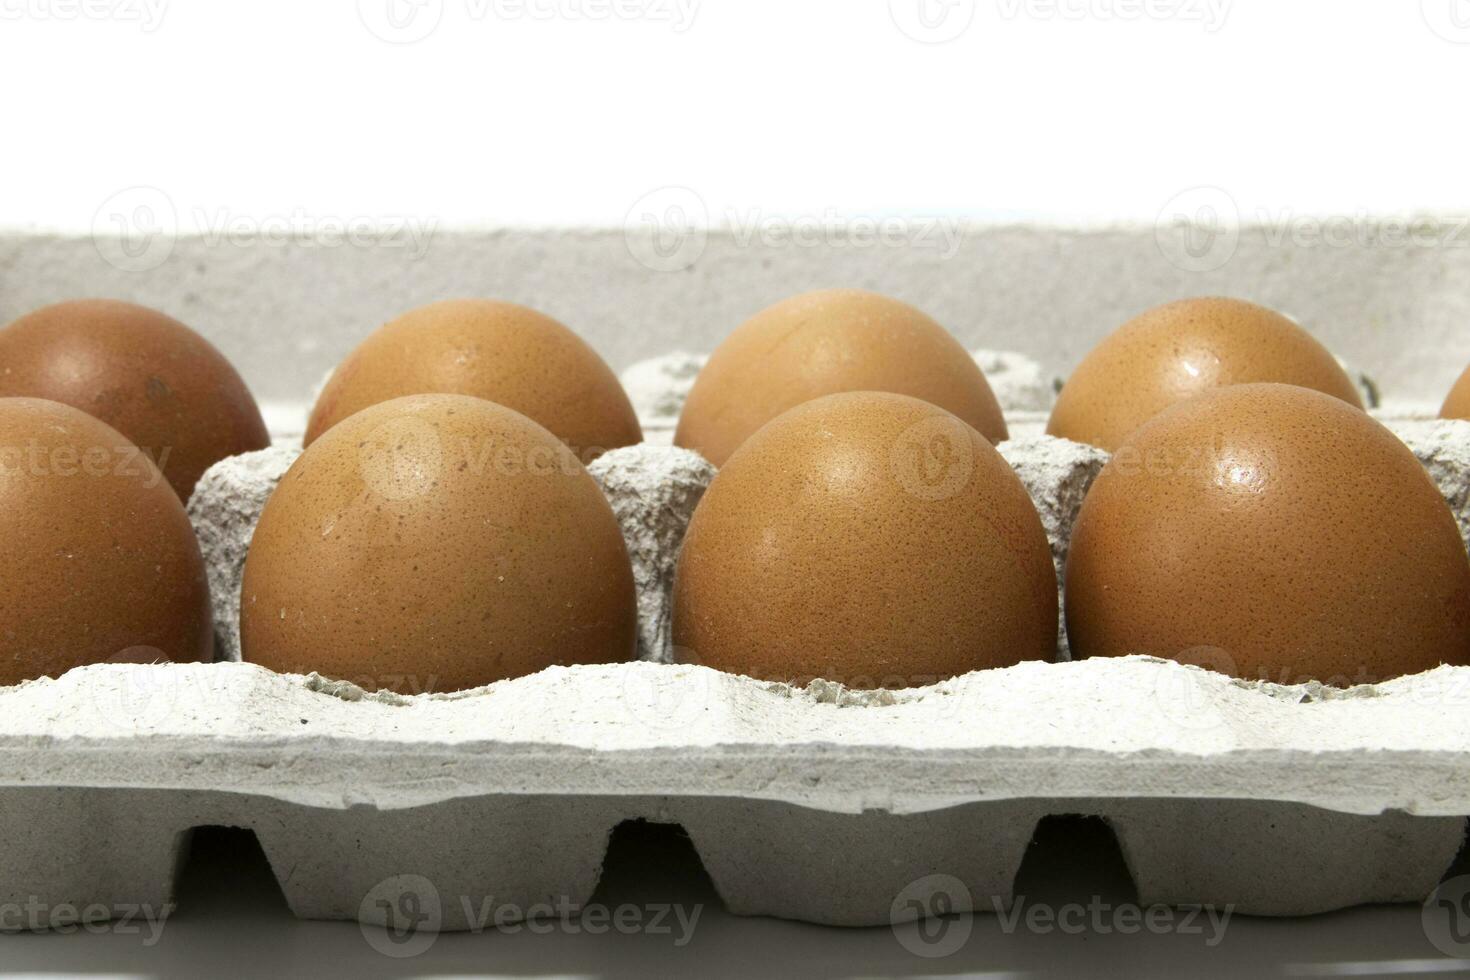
(561, 112)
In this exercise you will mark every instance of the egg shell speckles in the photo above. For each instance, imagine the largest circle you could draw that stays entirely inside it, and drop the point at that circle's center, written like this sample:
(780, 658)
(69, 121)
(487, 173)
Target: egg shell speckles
(1274, 533)
(508, 354)
(1179, 350)
(866, 538)
(822, 343)
(160, 384)
(100, 563)
(436, 542)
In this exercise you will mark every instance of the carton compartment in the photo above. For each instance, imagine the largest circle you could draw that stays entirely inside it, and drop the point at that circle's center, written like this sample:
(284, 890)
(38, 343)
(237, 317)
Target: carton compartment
(472, 862)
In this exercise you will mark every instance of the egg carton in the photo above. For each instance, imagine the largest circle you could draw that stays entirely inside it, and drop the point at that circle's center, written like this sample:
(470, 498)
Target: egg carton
(818, 804)
(821, 803)
(1390, 295)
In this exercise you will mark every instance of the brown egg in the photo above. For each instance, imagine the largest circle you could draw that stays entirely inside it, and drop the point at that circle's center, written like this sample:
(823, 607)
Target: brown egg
(145, 374)
(1270, 532)
(823, 343)
(1179, 350)
(436, 542)
(1457, 404)
(501, 352)
(100, 563)
(867, 538)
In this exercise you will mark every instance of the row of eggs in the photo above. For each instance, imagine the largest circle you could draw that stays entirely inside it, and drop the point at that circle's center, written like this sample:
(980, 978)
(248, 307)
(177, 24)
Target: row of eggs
(441, 532)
